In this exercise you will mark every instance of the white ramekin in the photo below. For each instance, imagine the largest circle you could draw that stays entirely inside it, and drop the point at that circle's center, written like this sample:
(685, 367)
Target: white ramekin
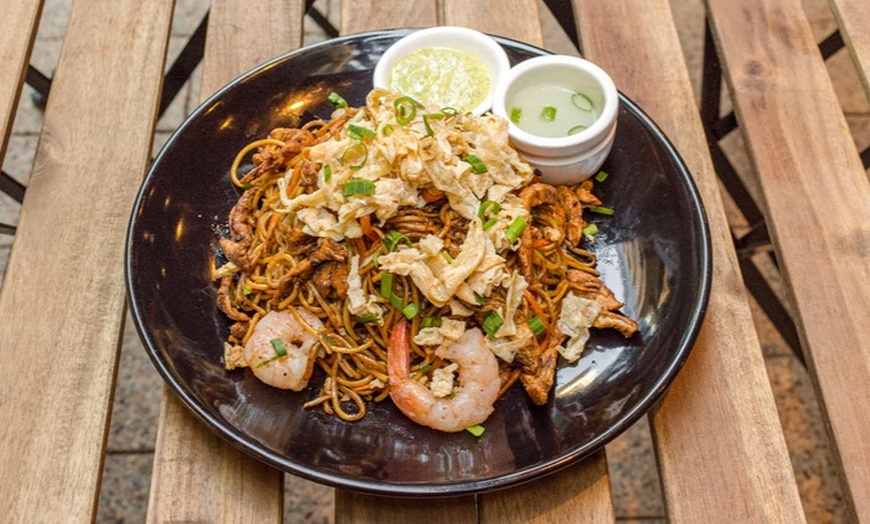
(484, 47)
(573, 158)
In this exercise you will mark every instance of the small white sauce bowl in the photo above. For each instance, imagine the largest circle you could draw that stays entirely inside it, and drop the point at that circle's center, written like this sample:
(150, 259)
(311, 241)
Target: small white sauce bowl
(484, 47)
(573, 158)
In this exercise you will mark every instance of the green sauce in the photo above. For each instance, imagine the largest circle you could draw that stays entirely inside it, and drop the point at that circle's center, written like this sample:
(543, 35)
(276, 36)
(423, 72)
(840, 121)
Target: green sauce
(444, 76)
(553, 110)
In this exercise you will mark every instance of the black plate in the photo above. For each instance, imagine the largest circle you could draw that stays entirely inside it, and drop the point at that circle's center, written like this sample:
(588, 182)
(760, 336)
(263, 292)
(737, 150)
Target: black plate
(654, 253)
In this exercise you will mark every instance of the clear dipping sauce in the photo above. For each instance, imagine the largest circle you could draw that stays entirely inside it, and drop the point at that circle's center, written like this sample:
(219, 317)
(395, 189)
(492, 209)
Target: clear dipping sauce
(444, 76)
(553, 110)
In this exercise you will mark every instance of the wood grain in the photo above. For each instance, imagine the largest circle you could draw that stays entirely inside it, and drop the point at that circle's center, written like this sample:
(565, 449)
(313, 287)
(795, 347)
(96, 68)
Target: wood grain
(369, 15)
(818, 201)
(517, 19)
(721, 450)
(65, 279)
(853, 17)
(198, 476)
(17, 33)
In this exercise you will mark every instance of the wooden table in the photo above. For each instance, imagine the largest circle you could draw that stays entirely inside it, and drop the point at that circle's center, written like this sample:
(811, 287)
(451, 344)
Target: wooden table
(719, 444)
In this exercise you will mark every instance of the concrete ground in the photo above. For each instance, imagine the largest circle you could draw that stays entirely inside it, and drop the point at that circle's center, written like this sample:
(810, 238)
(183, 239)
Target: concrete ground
(636, 487)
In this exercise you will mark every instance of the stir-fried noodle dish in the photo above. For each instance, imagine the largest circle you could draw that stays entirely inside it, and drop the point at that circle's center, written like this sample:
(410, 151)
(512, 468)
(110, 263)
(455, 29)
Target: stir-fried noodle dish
(410, 253)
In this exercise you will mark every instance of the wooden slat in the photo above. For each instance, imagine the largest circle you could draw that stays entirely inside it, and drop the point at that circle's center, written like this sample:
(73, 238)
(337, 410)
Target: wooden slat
(17, 33)
(722, 454)
(853, 17)
(198, 476)
(518, 19)
(818, 201)
(368, 15)
(580, 493)
(62, 302)
(582, 490)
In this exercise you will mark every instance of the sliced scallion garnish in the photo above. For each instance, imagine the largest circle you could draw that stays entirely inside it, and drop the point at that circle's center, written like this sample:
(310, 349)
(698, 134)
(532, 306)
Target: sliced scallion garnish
(428, 322)
(428, 127)
(410, 311)
(492, 321)
(355, 156)
(590, 231)
(279, 347)
(601, 210)
(537, 325)
(337, 100)
(393, 239)
(477, 166)
(406, 109)
(576, 129)
(582, 102)
(368, 318)
(601, 176)
(327, 173)
(387, 285)
(548, 113)
(358, 132)
(516, 115)
(516, 228)
(476, 430)
(358, 186)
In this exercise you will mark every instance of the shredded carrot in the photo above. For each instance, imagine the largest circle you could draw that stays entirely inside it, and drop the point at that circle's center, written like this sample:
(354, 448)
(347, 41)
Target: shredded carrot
(537, 308)
(294, 180)
(431, 195)
(360, 245)
(541, 242)
(365, 222)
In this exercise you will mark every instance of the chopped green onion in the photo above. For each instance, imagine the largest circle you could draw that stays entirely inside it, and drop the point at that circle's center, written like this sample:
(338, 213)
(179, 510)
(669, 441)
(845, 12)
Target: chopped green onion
(387, 285)
(247, 185)
(437, 116)
(368, 318)
(489, 223)
(425, 369)
(327, 173)
(327, 340)
(582, 102)
(410, 310)
(393, 238)
(246, 291)
(537, 325)
(485, 206)
(358, 186)
(476, 430)
(447, 257)
(387, 130)
(477, 166)
(358, 132)
(548, 113)
(576, 129)
(356, 156)
(429, 322)
(337, 100)
(516, 228)
(268, 361)
(278, 345)
(601, 176)
(591, 230)
(516, 114)
(406, 109)
(492, 321)
(601, 210)
(427, 126)
(449, 111)
(480, 299)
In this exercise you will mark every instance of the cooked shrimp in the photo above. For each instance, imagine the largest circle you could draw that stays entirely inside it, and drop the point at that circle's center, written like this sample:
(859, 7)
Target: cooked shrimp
(292, 370)
(470, 404)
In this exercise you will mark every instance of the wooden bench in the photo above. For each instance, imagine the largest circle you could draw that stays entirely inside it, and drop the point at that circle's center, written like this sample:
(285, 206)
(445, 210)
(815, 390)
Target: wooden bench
(719, 444)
